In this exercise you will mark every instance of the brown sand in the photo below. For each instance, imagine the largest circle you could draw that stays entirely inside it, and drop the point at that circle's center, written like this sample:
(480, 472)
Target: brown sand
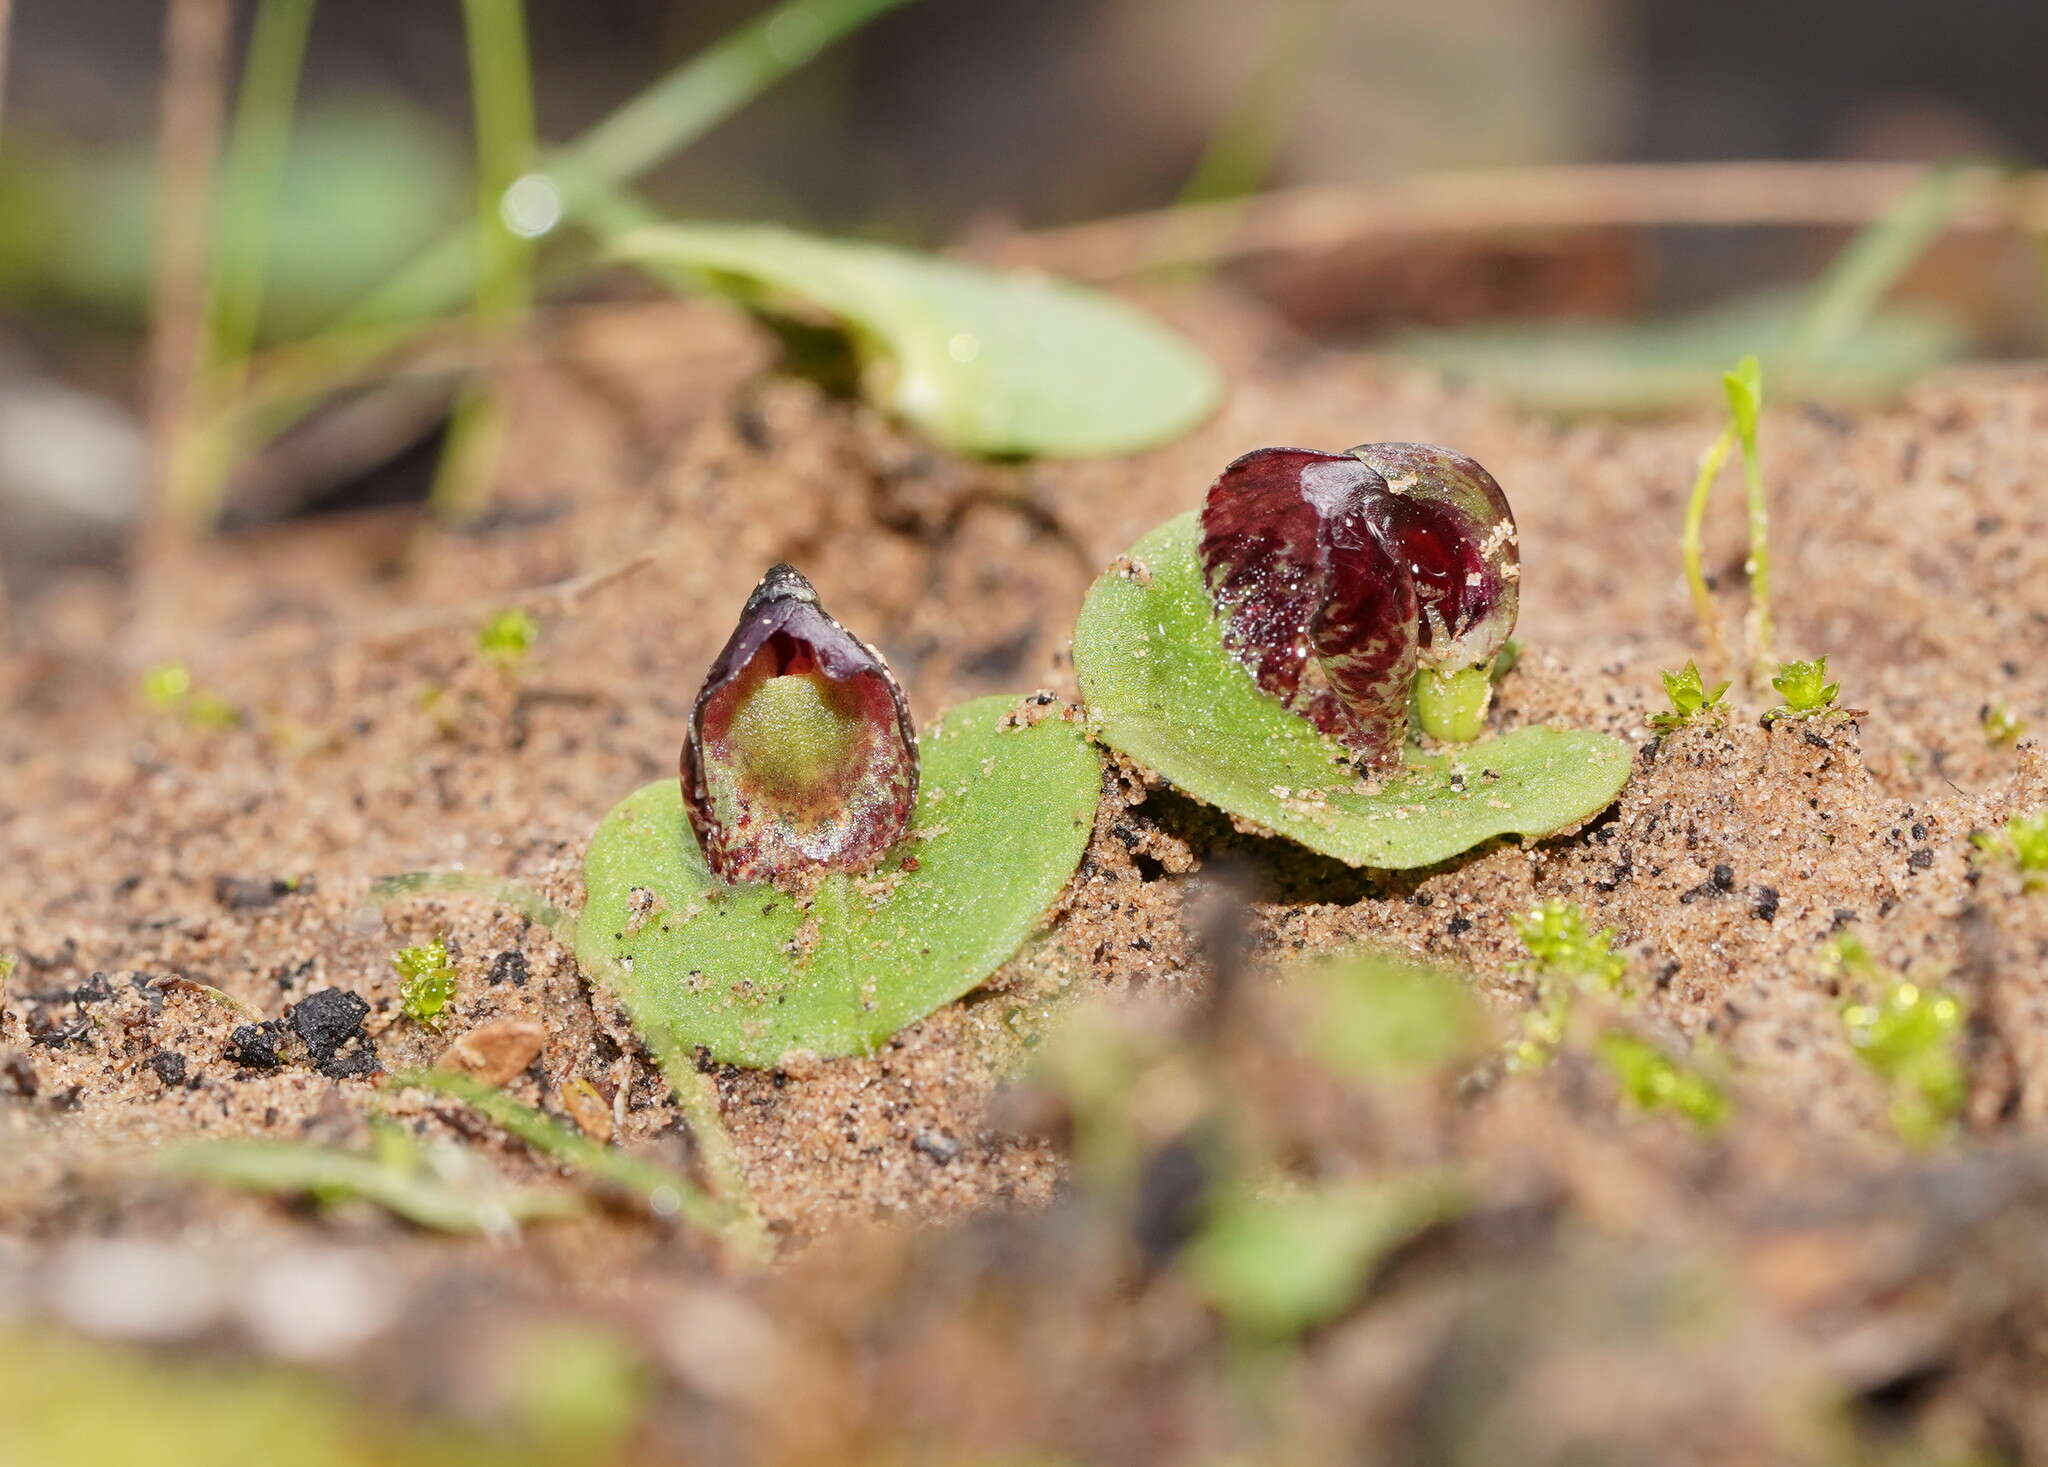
(1912, 548)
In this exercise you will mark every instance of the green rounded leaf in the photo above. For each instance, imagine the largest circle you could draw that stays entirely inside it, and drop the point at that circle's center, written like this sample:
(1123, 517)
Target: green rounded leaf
(1161, 688)
(986, 361)
(750, 975)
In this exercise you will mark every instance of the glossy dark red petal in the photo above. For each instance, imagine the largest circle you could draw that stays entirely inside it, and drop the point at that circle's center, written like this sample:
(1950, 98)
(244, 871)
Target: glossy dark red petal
(1448, 522)
(1311, 602)
(764, 811)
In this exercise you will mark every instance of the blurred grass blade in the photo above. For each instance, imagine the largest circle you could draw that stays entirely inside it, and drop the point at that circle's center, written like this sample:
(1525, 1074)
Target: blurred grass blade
(714, 84)
(666, 1192)
(666, 117)
(983, 361)
(1239, 156)
(258, 138)
(445, 1188)
(196, 40)
(1864, 272)
(501, 96)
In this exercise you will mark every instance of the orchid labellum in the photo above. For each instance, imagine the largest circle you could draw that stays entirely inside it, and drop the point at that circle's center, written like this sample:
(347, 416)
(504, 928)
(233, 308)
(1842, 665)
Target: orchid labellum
(800, 756)
(1348, 581)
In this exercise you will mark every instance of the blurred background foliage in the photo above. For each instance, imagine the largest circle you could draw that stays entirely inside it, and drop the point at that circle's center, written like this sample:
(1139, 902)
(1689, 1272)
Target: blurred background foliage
(943, 122)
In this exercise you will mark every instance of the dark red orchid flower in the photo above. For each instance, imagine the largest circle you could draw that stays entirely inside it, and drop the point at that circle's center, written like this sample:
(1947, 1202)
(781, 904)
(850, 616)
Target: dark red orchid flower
(1340, 575)
(801, 756)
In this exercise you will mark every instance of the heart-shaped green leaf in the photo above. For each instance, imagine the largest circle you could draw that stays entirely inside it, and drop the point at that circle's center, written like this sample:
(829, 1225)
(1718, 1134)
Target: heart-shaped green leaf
(1161, 688)
(750, 975)
(983, 361)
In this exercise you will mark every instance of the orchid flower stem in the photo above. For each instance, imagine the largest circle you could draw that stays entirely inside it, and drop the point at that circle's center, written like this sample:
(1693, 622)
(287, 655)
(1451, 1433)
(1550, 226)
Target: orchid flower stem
(1711, 464)
(1759, 634)
(1452, 705)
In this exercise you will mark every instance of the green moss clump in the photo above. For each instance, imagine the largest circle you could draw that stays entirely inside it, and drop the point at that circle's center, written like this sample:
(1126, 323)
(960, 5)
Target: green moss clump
(507, 636)
(1690, 697)
(2023, 840)
(1805, 688)
(1561, 945)
(1908, 1036)
(426, 980)
(1652, 1080)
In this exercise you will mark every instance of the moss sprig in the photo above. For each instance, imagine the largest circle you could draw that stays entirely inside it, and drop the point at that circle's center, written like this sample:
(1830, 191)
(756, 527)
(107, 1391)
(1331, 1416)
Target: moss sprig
(426, 980)
(1690, 698)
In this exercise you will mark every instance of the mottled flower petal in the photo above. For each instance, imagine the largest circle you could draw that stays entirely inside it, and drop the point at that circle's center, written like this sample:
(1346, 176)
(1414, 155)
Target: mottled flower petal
(1447, 520)
(1311, 602)
(1339, 575)
(801, 756)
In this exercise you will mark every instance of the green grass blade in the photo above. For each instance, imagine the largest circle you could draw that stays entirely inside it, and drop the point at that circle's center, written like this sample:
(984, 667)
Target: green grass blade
(666, 117)
(1860, 277)
(1694, 551)
(258, 139)
(478, 1203)
(501, 97)
(664, 1190)
(501, 94)
(1745, 389)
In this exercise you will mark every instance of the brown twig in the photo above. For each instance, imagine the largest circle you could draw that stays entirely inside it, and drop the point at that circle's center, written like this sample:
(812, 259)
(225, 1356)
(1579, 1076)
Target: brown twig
(1510, 200)
(193, 102)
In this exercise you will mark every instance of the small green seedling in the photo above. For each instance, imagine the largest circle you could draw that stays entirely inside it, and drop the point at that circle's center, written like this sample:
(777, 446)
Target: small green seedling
(1744, 389)
(1652, 1080)
(506, 637)
(426, 980)
(1909, 1036)
(1562, 945)
(2001, 725)
(1805, 689)
(168, 689)
(1690, 697)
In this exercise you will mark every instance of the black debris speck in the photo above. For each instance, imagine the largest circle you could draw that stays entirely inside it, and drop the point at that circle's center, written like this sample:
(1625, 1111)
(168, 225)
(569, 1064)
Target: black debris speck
(254, 1046)
(510, 967)
(1766, 903)
(331, 1023)
(94, 990)
(1457, 925)
(1921, 859)
(940, 1147)
(1724, 878)
(169, 1066)
(17, 1074)
(54, 1033)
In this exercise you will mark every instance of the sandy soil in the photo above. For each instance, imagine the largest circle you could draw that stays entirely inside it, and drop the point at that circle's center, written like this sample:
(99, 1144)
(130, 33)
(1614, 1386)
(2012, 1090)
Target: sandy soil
(657, 469)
